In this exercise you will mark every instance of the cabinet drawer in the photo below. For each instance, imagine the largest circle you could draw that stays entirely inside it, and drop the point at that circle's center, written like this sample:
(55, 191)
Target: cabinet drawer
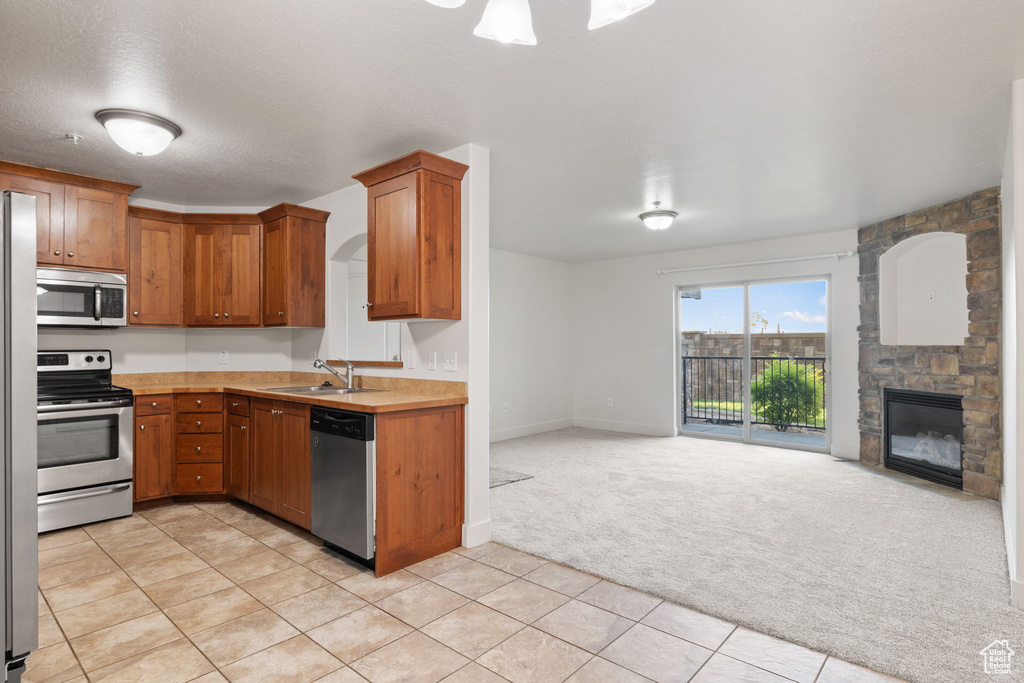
(199, 448)
(197, 403)
(153, 405)
(200, 423)
(199, 478)
(238, 405)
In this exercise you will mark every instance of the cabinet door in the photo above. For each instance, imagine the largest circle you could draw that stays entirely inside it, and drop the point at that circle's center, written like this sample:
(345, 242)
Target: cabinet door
(154, 272)
(263, 477)
(275, 268)
(95, 229)
(295, 484)
(241, 301)
(203, 276)
(393, 265)
(154, 457)
(49, 215)
(236, 456)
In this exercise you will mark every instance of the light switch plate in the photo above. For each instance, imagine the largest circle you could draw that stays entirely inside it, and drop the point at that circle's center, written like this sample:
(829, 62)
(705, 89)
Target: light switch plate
(410, 360)
(451, 361)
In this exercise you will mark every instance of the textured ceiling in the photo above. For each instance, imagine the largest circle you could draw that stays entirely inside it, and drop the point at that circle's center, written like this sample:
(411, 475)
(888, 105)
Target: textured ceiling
(753, 119)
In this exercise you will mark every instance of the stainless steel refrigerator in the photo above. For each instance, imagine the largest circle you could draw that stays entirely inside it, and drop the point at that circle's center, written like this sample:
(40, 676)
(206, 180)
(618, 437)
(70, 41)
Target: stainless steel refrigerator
(18, 485)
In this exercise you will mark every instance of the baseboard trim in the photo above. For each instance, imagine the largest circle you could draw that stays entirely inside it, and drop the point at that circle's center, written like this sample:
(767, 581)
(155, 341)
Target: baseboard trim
(476, 534)
(845, 452)
(627, 427)
(1017, 594)
(530, 430)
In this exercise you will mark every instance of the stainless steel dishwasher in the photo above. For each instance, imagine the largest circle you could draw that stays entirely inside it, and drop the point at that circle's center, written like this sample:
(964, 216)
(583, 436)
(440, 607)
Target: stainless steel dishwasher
(343, 491)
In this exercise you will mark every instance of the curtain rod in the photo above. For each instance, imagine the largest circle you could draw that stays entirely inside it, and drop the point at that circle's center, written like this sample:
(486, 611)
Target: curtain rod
(836, 256)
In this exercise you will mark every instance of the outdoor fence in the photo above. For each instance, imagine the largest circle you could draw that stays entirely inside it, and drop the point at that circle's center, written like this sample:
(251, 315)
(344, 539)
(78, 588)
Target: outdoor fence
(786, 393)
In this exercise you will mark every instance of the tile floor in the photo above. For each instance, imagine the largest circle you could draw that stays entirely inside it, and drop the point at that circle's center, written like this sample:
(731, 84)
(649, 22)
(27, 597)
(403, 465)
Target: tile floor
(220, 591)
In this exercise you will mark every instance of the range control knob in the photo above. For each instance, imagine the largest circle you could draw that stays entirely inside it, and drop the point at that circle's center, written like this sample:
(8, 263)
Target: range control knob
(100, 358)
(88, 359)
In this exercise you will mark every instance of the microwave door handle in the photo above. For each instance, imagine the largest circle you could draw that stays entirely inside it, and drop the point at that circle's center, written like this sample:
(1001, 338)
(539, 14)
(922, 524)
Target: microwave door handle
(97, 293)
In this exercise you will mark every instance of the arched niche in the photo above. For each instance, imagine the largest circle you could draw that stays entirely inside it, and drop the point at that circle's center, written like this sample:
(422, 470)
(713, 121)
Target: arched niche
(922, 291)
(353, 337)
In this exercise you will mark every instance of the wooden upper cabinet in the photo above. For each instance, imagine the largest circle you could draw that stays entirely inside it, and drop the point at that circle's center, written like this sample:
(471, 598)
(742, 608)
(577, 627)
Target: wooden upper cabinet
(154, 267)
(414, 235)
(294, 266)
(95, 229)
(81, 222)
(222, 270)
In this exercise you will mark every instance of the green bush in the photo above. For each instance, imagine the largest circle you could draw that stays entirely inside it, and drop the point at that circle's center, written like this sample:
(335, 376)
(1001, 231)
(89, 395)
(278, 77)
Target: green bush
(787, 393)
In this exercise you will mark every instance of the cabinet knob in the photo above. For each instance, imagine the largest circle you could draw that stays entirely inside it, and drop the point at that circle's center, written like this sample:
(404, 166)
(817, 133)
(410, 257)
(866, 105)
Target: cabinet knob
(242, 427)
(70, 254)
(135, 313)
(142, 426)
(369, 305)
(56, 252)
(234, 404)
(280, 312)
(199, 402)
(226, 315)
(198, 422)
(198, 448)
(154, 404)
(198, 477)
(216, 315)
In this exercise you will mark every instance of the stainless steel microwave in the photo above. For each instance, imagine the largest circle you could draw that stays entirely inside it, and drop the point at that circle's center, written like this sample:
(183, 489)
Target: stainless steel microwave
(80, 298)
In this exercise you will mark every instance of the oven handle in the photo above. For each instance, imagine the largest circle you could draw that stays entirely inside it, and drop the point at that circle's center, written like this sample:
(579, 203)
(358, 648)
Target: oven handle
(90, 494)
(97, 293)
(67, 408)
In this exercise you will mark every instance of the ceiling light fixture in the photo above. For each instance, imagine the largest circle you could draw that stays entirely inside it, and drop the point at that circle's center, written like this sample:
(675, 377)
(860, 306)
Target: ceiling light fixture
(604, 12)
(137, 132)
(659, 219)
(448, 4)
(507, 21)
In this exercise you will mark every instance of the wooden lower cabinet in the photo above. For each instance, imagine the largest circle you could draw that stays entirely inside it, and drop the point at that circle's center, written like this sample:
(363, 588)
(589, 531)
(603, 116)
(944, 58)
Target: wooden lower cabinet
(280, 477)
(154, 450)
(419, 485)
(237, 453)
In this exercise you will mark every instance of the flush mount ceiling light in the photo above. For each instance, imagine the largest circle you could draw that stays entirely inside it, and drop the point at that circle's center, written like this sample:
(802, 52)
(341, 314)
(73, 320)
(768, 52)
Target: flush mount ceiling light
(604, 12)
(510, 21)
(659, 219)
(137, 132)
(507, 21)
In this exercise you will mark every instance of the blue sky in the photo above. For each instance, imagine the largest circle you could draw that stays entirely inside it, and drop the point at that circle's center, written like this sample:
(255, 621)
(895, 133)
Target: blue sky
(793, 306)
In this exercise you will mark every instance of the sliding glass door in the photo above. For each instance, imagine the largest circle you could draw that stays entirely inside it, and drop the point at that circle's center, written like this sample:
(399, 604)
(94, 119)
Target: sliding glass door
(754, 362)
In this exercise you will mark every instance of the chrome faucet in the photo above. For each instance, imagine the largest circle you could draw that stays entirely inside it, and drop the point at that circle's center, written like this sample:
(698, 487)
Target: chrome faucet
(346, 378)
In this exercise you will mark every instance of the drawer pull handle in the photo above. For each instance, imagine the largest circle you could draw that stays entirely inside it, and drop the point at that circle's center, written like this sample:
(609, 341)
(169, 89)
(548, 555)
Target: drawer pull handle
(198, 403)
(242, 427)
(234, 405)
(198, 477)
(154, 404)
(198, 423)
(56, 252)
(71, 253)
(226, 315)
(142, 426)
(135, 313)
(216, 315)
(198, 448)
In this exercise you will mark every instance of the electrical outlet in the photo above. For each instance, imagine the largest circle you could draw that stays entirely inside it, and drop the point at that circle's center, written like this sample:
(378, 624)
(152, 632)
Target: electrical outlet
(432, 360)
(223, 357)
(931, 296)
(312, 357)
(451, 361)
(611, 403)
(506, 407)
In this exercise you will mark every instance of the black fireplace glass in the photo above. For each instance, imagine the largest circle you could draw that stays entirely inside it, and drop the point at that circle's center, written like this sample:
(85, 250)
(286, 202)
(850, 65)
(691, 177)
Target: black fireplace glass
(925, 435)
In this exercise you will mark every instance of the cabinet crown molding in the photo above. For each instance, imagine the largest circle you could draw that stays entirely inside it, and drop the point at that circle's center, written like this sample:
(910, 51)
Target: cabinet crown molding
(66, 178)
(412, 162)
(284, 209)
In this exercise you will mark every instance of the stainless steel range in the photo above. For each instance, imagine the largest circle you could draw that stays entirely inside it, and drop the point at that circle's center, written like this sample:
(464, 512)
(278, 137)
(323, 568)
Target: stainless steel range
(84, 440)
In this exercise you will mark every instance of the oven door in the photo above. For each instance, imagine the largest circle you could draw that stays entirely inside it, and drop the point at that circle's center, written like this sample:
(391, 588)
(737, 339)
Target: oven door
(76, 299)
(84, 448)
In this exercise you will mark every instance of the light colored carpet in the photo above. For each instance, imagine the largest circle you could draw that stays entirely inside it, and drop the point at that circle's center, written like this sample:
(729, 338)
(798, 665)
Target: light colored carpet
(904, 578)
(500, 476)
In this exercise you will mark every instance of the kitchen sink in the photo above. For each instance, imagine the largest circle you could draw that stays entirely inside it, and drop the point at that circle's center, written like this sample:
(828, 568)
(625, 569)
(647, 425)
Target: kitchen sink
(318, 389)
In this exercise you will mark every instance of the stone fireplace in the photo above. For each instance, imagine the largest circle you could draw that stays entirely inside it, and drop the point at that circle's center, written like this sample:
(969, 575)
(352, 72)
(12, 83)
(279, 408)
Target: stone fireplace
(967, 374)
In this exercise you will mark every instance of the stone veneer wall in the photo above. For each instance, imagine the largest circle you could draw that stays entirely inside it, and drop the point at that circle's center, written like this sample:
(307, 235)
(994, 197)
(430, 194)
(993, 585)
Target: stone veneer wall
(971, 370)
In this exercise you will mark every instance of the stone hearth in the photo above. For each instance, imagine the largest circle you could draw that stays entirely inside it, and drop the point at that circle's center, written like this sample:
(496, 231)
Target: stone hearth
(971, 370)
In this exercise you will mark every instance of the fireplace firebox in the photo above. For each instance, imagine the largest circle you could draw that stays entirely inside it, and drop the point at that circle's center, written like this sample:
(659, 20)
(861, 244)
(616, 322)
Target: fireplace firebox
(924, 435)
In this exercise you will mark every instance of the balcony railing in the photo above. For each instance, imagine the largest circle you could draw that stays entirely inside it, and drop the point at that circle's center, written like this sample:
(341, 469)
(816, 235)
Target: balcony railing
(786, 393)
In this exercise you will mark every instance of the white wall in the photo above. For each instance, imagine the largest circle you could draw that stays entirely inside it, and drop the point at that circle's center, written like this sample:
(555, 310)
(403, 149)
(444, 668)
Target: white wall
(1013, 346)
(531, 345)
(922, 295)
(623, 310)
